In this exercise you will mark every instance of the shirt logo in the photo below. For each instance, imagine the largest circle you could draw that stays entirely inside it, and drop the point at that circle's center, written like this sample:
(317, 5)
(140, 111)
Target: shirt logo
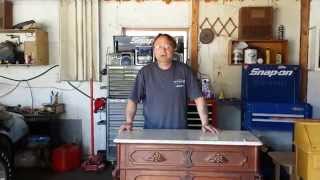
(179, 83)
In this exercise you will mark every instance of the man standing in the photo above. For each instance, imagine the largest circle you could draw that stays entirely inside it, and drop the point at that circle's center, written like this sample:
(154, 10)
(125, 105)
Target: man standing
(164, 87)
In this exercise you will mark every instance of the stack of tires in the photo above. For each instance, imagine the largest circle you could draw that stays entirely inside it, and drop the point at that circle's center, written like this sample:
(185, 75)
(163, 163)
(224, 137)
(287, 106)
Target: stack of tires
(6, 158)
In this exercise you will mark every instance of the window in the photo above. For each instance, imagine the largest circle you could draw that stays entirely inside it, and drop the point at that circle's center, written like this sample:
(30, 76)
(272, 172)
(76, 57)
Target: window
(155, 31)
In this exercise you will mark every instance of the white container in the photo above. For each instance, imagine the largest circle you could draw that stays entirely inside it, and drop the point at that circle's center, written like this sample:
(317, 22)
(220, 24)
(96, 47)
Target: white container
(250, 56)
(237, 56)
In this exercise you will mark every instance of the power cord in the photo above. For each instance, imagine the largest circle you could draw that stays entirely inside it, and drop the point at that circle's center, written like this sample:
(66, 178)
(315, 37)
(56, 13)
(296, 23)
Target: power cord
(11, 90)
(44, 87)
(79, 90)
(29, 86)
(19, 80)
(32, 104)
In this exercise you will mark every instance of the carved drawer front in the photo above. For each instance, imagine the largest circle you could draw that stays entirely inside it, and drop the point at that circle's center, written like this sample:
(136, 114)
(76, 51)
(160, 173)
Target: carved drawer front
(224, 158)
(160, 156)
(154, 175)
(184, 175)
(221, 176)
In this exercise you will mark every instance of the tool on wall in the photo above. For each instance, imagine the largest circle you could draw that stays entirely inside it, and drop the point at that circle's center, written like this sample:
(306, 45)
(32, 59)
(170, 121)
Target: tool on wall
(24, 24)
(99, 104)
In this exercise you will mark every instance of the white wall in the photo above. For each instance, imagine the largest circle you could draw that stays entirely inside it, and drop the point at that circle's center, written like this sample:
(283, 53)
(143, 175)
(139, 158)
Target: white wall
(314, 76)
(77, 105)
(156, 14)
(213, 57)
(114, 16)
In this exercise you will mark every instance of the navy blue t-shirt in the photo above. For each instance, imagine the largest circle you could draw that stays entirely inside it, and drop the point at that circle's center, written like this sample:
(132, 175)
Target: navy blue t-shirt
(164, 94)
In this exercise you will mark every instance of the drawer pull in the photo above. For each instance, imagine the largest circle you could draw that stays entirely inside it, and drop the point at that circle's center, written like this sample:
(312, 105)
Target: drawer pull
(187, 177)
(187, 158)
(257, 177)
(217, 158)
(155, 157)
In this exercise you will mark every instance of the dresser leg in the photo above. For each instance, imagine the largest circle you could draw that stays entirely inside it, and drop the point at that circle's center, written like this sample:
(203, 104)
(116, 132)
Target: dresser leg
(115, 173)
(116, 170)
(277, 172)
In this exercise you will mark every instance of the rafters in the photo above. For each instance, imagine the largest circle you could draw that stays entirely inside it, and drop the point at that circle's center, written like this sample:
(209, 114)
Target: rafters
(169, 1)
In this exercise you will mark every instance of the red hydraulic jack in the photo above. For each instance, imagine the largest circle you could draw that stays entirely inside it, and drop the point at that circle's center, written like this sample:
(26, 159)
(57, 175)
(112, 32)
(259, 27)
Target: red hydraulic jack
(95, 162)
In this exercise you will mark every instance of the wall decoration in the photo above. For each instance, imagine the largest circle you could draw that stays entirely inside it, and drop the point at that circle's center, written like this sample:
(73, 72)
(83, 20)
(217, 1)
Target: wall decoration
(228, 27)
(225, 26)
(206, 34)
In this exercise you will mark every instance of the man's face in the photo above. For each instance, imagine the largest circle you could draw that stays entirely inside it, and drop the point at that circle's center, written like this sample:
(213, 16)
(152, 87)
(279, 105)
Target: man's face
(163, 50)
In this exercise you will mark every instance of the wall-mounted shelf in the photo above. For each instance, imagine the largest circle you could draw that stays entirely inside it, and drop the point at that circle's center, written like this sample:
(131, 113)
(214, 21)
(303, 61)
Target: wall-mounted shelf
(32, 43)
(5, 14)
(275, 47)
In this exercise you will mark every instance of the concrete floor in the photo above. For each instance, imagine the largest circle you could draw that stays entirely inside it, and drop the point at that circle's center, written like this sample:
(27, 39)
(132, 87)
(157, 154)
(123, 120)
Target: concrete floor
(48, 174)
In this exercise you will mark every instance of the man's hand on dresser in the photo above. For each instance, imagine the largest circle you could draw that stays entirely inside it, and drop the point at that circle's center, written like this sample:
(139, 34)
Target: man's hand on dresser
(127, 126)
(208, 128)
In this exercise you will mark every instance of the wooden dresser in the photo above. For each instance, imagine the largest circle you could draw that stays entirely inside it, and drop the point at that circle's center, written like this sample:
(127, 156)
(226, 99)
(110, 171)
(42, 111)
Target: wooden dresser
(187, 155)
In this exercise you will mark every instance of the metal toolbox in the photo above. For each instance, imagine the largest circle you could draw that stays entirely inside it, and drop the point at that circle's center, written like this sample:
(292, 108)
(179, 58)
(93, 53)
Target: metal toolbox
(270, 83)
(121, 80)
(143, 55)
(274, 116)
(115, 118)
(193, 118)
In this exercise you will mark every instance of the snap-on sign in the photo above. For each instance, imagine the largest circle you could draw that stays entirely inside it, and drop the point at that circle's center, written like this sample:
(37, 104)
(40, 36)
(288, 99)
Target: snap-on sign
(270, 73)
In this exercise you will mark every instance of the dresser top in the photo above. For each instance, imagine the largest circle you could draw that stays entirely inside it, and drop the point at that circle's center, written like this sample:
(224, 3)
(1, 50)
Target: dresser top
(187, 136)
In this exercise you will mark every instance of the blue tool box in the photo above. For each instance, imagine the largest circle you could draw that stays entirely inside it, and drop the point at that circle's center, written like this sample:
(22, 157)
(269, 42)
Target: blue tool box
(273, 116)
(270, 83)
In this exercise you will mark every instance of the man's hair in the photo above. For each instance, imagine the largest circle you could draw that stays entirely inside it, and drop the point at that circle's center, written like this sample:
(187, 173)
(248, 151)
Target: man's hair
(170, 38)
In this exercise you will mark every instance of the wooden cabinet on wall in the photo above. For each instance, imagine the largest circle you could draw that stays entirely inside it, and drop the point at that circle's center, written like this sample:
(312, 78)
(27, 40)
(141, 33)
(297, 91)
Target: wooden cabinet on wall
(5, 14)
(32, 42)
(279, 47)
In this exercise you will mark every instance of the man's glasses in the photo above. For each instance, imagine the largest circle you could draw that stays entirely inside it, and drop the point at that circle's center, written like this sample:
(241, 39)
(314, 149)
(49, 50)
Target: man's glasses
(164, 47)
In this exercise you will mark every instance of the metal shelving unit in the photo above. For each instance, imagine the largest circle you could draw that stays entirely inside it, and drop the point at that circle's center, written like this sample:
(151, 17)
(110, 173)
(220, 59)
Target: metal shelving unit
(120, 82)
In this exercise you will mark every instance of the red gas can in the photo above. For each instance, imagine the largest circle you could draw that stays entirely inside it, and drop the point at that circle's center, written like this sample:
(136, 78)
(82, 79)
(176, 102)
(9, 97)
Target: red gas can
(66, 157)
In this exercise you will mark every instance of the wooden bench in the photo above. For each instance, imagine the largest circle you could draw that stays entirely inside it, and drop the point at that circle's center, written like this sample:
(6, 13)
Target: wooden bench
(285, 160)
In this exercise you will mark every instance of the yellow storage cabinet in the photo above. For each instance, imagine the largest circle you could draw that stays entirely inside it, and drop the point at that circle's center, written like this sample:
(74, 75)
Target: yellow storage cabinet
(307, 143)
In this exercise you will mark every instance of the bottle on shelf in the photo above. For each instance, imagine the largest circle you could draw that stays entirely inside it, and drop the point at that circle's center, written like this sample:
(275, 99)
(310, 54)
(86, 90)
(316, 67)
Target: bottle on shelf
(267, 56)
(278, 58)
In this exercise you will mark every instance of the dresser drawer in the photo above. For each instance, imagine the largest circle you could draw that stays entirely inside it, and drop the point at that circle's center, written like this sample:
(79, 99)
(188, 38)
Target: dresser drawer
(184, 175)
(226, 158)
(161, 156)
(191, 157)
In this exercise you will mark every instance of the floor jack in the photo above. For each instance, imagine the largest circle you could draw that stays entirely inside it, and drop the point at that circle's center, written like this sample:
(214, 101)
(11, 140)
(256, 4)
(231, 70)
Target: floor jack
(95, 162)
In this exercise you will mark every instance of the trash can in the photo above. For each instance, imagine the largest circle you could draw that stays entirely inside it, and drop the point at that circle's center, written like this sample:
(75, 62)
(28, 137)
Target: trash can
(307, 143)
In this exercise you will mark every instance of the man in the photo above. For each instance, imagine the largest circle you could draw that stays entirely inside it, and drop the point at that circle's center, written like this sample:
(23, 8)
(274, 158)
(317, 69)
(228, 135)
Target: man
(164, 88)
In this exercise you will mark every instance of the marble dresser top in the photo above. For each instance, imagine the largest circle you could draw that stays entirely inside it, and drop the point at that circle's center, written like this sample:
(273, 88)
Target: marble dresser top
(187, 136)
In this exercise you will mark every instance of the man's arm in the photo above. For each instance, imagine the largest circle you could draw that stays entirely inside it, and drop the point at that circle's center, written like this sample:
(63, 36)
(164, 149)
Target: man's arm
(130, 114)
(203, 113)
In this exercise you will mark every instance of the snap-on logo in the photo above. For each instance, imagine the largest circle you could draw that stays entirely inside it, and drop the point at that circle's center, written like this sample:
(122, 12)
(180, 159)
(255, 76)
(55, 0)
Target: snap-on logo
(141, 40)
(270, 73)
